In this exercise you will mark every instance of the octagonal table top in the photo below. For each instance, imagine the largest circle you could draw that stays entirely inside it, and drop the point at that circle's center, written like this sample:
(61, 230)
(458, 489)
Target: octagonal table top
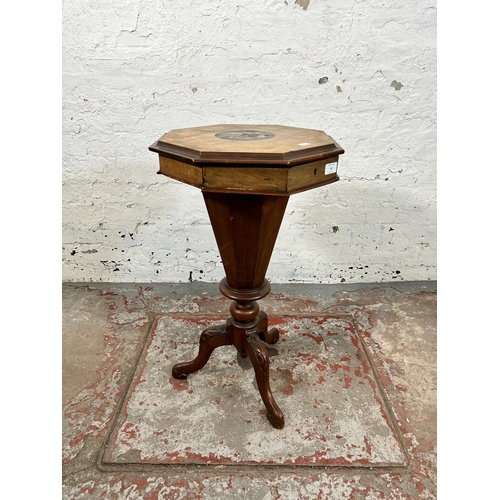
(230, 144)
(265, 159)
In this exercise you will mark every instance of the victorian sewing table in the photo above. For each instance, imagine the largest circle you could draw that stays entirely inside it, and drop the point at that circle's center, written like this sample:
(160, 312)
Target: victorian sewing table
(246, 174)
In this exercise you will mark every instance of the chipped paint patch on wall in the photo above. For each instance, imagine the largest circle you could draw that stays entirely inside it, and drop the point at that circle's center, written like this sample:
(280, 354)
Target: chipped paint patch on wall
(365, 72)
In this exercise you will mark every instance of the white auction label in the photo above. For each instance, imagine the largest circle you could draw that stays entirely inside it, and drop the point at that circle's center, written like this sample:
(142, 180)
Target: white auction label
(331, 168)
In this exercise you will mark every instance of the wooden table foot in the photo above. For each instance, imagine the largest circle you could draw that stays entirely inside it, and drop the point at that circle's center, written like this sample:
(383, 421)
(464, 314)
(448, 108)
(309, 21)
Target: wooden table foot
(260, 360)
(268, 336)
(210, 339)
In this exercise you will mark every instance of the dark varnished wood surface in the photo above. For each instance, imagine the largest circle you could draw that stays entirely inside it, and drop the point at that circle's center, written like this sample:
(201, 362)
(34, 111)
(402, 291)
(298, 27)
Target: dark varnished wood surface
(245, 228)
(246, 174)
(250, 339)
(260, 179)
(288, 146)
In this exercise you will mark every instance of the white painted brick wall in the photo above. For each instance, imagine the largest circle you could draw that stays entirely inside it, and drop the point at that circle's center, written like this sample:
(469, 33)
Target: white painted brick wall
(135, 69)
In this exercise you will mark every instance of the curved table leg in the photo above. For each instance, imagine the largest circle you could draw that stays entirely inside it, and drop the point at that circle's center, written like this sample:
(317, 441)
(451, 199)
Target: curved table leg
(210, 339)
(269, 336)
(260, 360)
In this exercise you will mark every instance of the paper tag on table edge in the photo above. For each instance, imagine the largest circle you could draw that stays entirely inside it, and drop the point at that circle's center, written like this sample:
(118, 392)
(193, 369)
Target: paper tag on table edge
(331, 168)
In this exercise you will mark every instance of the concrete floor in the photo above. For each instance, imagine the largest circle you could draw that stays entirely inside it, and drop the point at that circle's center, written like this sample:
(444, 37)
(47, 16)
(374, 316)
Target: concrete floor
(354, 372)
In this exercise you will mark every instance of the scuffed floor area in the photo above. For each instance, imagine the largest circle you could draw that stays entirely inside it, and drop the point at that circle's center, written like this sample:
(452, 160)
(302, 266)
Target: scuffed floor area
(354, 372)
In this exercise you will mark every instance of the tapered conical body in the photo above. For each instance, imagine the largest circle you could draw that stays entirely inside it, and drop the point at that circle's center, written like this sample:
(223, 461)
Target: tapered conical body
(246, 227)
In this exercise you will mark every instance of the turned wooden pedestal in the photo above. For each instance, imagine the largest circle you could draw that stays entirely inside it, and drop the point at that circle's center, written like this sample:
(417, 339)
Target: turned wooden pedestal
(246, 174)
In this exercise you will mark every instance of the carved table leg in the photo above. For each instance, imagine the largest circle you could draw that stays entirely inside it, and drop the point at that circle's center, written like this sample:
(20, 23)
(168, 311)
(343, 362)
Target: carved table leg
(243, 353)
(269, 336)
(210, 339)
(260, 360)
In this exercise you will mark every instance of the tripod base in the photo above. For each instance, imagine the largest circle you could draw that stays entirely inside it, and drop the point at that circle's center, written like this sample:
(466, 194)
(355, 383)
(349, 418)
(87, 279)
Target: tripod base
(248, 338)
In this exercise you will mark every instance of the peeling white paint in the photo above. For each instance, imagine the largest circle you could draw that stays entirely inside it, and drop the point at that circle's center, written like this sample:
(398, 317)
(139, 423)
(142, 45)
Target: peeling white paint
(129, 75)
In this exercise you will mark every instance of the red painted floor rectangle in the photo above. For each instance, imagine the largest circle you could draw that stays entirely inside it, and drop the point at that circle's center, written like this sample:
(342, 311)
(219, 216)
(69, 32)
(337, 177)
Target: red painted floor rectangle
(335, 414)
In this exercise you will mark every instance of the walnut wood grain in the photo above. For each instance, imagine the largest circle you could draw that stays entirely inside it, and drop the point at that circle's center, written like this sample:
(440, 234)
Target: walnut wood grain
(180, 171)
(310, 175)
(245, 228)
(249, 338)
(288, 146)
(246, 174)
(237, 179)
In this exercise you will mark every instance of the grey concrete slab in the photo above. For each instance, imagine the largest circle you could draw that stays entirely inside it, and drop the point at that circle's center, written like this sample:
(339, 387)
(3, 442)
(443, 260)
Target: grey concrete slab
(105, 328)
(334, 412)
